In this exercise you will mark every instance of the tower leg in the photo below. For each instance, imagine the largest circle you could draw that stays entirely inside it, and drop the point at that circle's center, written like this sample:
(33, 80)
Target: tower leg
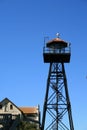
(57, 108)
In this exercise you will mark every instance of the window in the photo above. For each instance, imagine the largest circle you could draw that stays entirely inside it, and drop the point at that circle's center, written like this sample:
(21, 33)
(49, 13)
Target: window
(0, 106)
(11, 107)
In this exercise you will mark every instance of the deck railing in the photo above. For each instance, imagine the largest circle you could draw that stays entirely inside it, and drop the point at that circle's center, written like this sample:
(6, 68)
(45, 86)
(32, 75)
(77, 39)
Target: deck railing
(57, 50)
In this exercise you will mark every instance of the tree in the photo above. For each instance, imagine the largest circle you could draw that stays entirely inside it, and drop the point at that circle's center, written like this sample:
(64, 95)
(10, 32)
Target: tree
(24, 125)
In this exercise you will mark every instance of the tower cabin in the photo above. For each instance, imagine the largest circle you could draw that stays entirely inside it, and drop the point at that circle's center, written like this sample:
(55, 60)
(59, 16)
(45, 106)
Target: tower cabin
(56, 50)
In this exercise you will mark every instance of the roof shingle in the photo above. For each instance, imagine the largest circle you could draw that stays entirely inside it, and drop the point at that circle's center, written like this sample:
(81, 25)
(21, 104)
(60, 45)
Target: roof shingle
(28, 110)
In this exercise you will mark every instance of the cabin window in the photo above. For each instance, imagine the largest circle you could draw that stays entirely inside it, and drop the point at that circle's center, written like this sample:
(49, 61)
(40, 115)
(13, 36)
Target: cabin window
(11, 107)
(0, 106)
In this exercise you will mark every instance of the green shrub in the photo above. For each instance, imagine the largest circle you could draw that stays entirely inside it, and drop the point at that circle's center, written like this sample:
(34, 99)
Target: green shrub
(24, 125)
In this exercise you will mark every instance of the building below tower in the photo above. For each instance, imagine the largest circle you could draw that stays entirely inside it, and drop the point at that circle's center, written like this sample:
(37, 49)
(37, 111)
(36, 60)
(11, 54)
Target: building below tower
(11, 115)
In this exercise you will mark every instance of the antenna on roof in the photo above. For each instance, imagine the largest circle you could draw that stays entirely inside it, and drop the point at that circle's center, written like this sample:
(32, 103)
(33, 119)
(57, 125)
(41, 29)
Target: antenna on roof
(57, 34)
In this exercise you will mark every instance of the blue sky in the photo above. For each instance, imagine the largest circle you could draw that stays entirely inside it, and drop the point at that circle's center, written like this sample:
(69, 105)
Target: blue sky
(23, 74)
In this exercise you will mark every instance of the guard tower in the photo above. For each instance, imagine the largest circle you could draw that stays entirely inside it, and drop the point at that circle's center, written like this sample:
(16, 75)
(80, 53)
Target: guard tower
(57, 113)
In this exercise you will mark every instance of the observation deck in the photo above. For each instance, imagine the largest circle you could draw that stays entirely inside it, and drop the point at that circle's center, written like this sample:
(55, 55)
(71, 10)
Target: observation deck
(56, 50)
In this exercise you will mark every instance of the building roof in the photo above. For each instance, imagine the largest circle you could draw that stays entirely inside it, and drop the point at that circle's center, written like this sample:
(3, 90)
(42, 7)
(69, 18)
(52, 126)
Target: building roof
(24, 110)
(7, 100)
(29, 110)
(56, 42)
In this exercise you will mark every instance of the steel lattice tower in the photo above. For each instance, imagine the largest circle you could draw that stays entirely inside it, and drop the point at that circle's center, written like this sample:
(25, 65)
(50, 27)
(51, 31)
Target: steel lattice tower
(57, 113)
